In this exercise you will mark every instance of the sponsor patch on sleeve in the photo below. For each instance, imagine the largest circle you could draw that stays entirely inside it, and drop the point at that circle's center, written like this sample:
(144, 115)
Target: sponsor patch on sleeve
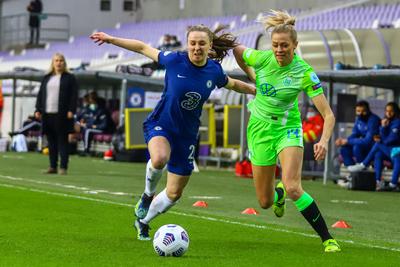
(314, 77)
(248, 53)
(316, 86)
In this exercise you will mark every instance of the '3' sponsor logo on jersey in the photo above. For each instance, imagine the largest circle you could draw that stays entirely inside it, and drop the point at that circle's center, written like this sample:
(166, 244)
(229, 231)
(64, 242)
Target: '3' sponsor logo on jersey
(192, 100)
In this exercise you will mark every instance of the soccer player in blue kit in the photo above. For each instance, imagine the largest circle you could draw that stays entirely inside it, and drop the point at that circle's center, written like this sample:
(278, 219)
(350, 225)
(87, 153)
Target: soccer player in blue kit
(171, 129)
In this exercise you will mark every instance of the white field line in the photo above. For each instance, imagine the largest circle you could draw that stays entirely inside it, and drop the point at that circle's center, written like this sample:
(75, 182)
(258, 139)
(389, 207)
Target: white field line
(208, 218)
(206, 197)
(349, 201)
(69, 186)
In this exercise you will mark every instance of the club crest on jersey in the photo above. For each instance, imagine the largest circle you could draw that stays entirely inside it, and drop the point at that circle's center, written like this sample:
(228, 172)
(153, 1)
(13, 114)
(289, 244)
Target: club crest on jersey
(158, 128)
(287, 81)
(209, 84)
(192, 100)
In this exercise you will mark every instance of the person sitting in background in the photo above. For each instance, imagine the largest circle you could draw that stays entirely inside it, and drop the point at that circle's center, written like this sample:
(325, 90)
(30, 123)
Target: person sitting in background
(98, 121)
(166, 43)
(30, 124)
(175, 43)
(80, 117)
(360, 142)
(388, 138)
(84, 111)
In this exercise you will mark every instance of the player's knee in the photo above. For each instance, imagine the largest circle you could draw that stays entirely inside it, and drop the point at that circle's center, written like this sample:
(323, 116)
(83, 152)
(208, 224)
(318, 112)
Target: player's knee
(174, 195)
(265, 203)
(159, 161)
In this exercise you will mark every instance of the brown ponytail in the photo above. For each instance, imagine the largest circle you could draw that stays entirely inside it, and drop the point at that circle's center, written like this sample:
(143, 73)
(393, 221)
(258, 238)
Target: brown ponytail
(221, 44)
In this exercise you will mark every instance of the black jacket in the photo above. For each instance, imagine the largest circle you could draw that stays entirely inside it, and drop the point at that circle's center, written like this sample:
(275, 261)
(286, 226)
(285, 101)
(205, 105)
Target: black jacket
(67, 100)
(35, 8)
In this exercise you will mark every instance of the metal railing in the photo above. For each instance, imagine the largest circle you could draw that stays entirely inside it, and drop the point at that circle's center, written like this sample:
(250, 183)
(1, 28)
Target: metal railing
(15, 29)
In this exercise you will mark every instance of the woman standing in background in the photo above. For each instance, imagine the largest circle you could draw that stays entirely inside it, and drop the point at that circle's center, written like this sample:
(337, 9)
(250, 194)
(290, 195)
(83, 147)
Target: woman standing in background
(55, 106)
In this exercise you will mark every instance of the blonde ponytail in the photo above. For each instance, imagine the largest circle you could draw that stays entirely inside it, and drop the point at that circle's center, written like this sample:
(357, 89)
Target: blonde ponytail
(280, 21)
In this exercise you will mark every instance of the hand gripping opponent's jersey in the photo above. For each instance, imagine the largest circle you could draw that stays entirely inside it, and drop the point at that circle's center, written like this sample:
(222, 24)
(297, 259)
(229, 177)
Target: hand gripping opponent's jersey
(278, 87)
(186, 89)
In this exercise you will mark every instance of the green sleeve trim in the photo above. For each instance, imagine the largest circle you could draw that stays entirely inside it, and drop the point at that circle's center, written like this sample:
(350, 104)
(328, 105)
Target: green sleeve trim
(304, 201)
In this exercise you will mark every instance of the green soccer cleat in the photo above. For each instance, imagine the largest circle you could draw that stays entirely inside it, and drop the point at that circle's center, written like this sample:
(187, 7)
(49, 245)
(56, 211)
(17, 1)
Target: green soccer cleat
(331, 245)
(142, 207)
(142, 230)
(279, 206)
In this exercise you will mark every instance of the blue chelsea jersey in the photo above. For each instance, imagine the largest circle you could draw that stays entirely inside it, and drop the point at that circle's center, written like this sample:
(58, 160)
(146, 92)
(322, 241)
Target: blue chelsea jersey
(186, 89)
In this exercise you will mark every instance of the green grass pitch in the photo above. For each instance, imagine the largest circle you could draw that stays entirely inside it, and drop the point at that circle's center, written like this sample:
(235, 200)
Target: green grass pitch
(85, 219)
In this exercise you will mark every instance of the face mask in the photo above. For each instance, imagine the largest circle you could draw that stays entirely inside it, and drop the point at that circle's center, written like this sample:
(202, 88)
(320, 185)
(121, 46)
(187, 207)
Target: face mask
(93, 106)
(363, 116)
(310, 114)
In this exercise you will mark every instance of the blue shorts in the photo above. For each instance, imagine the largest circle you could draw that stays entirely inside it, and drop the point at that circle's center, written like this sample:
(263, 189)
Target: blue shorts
(182, 148)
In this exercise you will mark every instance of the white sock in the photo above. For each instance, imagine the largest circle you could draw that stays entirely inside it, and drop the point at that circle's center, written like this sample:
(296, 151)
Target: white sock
(153, 176)
(160, 204)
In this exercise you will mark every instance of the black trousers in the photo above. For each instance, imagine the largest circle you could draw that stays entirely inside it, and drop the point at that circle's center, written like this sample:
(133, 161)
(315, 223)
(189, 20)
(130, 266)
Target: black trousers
(57, 139)
(35, 35)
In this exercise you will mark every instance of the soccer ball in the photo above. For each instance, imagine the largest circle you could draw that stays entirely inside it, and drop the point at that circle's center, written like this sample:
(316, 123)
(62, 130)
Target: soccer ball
(171, 240)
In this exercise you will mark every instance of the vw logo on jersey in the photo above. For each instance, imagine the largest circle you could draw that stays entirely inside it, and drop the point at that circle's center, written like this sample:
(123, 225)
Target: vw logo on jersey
(192, 100)
(268, 89)
(209, 84)
(314, 77)
(158, 128)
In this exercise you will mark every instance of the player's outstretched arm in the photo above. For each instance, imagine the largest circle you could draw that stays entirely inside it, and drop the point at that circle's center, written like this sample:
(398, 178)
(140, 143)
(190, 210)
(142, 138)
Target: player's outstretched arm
(240, 87)
(130, 44)
(238, 53)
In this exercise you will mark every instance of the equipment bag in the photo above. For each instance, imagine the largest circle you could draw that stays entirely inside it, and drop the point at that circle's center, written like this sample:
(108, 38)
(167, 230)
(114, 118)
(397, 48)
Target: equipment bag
(363, 180)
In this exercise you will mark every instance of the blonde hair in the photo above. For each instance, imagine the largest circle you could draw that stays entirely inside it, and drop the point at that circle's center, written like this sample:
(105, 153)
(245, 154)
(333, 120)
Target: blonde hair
(221, 42)
(281, 22)
(51, 69)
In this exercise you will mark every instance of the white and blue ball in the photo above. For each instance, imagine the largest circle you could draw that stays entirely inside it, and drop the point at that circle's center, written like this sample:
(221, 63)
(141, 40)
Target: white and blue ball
(171, 240)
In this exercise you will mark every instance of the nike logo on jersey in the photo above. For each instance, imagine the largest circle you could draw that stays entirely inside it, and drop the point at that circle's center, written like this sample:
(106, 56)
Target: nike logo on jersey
(181, 76)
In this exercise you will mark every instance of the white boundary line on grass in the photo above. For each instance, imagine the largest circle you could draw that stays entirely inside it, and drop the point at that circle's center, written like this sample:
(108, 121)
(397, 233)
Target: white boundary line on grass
(208, 218)
(81, 188)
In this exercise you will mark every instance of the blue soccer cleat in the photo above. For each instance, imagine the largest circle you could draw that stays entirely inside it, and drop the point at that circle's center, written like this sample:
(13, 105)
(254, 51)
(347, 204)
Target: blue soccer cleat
(142, 207)
(142, 230)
